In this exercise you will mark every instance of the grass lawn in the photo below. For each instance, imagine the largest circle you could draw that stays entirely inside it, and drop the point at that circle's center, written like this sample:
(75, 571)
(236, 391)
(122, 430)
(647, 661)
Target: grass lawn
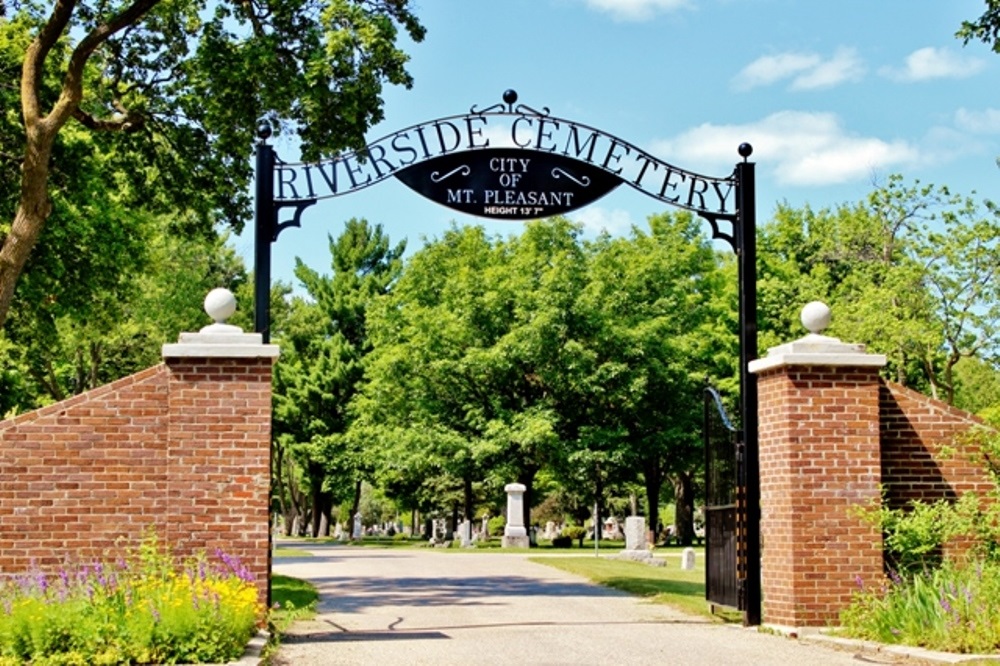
(669, 584)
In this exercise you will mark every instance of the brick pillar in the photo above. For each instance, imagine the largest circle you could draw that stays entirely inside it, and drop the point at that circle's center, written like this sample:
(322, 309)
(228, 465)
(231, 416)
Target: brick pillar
(819, 457)
(219, 442)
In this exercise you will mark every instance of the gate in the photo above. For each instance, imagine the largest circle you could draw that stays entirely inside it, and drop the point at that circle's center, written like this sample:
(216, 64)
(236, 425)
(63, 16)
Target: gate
(725, 507)
(511, 161)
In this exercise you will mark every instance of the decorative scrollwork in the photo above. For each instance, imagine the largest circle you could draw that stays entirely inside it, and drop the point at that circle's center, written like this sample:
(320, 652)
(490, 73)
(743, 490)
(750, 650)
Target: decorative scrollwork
(509, 99)
(559, 173)
(526, 110)
(436, 176)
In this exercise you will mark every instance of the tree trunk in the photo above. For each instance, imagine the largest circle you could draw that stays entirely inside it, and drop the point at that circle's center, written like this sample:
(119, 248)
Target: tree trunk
(468, 498)
(356, 504)
(322, 506)
(684, 508)
(32, 211)
(654, 483)
(527, 479)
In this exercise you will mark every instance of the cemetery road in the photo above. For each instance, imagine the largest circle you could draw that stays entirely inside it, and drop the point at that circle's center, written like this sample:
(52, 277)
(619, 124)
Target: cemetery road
(430, 606)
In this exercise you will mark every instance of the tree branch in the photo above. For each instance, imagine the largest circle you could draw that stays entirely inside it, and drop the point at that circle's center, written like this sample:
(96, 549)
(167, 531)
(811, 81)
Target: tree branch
(128, 122)
(72, 90)
(34, 60)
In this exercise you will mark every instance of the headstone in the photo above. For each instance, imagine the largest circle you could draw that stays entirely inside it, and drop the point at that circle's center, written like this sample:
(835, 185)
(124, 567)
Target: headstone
(465, 533)
(687, 559)
(356, 533)
(612, 530)
(635, 533)
(550, 531)
(514, 533)
(338, 531)
(486, 525)
(636, 548)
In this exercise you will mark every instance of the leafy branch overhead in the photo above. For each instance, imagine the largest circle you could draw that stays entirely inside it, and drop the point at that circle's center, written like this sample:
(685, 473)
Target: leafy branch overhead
(176, 90)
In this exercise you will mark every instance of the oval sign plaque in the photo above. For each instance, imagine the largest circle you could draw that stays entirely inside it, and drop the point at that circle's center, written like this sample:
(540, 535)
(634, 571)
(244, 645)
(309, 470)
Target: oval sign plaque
(509, 183)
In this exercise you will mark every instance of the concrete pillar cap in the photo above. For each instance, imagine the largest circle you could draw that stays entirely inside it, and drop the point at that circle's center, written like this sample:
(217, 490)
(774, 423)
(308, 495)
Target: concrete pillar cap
(816, 349)
(219, 339)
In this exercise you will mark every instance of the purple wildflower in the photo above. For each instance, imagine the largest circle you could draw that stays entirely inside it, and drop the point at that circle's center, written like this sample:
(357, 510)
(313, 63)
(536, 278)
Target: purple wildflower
(894, 577)
(860, 583)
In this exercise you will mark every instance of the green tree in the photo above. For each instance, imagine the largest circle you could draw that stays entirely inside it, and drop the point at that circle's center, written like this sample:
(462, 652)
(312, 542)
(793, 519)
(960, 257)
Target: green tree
(427, 404)
(659, 323)
(171, 94)
(327, 340)
(65, 342)
(910, 272)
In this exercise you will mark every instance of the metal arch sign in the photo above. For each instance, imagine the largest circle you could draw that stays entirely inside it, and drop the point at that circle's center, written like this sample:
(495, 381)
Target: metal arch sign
(507, 162)
(513, 162)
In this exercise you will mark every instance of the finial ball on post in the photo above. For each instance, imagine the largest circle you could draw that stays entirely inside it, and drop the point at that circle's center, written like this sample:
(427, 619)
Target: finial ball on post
(220, 304)
(816, 316)
(510, 96)
(745, 150)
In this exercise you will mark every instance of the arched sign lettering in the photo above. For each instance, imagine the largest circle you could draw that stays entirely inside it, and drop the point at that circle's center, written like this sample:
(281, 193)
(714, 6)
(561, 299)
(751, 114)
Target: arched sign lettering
(510, 161)
(513, 163)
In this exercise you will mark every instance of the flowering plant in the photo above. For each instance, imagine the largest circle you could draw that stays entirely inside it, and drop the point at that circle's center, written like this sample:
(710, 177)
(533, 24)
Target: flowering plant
(142, 609)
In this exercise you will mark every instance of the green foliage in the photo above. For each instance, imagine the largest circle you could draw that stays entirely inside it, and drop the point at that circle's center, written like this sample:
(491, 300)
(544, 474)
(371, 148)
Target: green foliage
(292, 599)
(143, 609)
(910, 272)
(953, 609)
(929, 600)
(497, 524)
(574, 532)
(325, 341)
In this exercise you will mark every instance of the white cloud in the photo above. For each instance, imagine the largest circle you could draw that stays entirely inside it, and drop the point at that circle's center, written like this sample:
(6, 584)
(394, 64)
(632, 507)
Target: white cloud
(802, 149)
(807, 71)
(635, 10)
(986, 121)
(931, 63)
(845, 65)
(769, 69)
(596, 220)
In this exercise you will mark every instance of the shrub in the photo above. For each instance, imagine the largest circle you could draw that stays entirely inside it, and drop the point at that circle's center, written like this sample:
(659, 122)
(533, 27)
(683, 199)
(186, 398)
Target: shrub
(497, 525)
(562, 541)
(575, 532)
(140, 610)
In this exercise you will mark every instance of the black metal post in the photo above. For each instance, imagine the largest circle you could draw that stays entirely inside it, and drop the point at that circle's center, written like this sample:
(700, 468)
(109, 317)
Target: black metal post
(746, 236)
(264, 220)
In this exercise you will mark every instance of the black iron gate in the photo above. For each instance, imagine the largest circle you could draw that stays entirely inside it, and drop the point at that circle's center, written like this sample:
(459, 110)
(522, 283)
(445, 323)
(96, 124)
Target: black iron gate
(725, 507)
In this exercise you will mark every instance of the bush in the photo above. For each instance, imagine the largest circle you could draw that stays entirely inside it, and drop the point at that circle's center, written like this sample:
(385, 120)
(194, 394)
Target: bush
(562, 541)
(140, 610)
(497, 525)
(575, 532)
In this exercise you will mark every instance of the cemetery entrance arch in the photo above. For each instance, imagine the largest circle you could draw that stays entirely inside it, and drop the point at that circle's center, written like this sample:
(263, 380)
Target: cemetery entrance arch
(510, 161)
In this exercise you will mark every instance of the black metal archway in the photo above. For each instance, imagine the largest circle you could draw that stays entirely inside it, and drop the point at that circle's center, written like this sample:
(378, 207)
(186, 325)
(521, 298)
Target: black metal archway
(510, 161)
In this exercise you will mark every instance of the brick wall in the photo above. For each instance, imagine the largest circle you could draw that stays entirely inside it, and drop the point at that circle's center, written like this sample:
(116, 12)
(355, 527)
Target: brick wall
(920, 458)
(819, 455)
(182, 447)
(829, 436)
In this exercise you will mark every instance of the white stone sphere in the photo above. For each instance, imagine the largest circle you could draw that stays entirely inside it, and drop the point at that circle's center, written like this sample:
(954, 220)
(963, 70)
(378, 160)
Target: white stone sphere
(816, 316)
(220, 304)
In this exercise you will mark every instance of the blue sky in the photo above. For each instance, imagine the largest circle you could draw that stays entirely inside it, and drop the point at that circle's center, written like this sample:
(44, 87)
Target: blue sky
(833, 96)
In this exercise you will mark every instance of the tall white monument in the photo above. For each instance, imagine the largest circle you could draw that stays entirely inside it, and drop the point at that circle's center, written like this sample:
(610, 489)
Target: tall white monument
(515, 535)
